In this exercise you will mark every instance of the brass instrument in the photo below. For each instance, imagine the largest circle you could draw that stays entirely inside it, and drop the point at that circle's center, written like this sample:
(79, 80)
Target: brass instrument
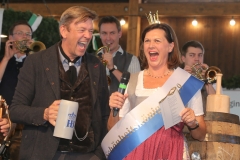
(37, 46)
(22, 46)
(105, 49)
(4, 146)
(210, 74)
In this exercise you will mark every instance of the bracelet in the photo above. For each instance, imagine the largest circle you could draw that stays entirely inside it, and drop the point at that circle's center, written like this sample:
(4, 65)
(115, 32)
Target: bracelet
(197, 125)
(111, 70)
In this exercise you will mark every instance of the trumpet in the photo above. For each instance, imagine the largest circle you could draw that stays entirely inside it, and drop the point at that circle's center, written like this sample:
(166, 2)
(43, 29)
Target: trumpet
(22, 46)
(105, 49)
(4, 146)
(210, 73)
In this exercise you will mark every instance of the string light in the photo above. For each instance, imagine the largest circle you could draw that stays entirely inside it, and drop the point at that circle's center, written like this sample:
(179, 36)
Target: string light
(232, 22)
(194, 22)
(122, 22)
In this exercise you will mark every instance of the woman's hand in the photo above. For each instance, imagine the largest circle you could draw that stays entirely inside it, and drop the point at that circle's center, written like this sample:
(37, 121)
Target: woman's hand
(117, 100)
(188, 117)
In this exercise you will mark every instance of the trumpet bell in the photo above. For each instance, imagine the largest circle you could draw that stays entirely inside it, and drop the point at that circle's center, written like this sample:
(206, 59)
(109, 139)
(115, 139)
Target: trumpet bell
(210, 75)
(37, 46)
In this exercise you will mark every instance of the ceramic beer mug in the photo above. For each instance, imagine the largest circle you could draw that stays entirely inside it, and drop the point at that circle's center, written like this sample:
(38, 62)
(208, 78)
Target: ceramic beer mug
(66, 119)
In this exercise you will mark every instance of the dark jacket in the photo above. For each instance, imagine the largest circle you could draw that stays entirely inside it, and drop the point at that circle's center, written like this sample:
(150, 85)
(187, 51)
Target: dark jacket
(38, 87)
(9, 79)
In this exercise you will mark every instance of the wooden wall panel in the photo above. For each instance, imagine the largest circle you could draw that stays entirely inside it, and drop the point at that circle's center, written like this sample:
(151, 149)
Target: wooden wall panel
(220, 40)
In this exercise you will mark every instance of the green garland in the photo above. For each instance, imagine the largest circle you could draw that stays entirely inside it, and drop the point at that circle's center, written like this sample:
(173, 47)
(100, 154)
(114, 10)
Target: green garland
(231, 83)
(47, 32)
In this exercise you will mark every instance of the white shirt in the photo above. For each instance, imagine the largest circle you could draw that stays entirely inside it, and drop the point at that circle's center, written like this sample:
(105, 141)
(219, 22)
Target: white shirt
(20, 59)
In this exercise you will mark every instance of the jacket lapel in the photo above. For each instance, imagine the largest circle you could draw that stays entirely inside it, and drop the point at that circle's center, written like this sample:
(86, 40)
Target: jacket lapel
(50, 64)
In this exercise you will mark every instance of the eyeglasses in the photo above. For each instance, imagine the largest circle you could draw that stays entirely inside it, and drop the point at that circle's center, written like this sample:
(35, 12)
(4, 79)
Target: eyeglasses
(21, 34)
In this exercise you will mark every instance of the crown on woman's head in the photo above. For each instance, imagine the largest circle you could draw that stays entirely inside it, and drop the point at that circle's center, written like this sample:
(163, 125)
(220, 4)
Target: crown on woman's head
(152, 19)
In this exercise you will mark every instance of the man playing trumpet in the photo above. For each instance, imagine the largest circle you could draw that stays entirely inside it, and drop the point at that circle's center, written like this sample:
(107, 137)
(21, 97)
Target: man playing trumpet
(118, 60)
(13, 59)
(192, 54)
(10, 65)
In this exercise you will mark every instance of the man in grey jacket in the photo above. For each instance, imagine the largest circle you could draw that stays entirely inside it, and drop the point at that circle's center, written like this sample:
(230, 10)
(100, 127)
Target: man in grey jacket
(63, 71)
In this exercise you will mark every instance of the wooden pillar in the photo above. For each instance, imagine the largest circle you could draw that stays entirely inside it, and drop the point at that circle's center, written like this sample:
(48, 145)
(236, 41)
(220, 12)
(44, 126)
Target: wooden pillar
(134, 24)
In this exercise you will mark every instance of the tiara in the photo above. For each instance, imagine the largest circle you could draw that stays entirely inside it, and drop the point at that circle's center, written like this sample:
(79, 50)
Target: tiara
(152, 19)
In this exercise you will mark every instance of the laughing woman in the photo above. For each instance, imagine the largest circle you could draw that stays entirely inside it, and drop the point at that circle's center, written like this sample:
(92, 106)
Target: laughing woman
(160, 59)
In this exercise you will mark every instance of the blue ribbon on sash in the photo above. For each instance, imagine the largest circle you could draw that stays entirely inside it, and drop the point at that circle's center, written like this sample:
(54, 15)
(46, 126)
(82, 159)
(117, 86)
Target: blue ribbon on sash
(134, 139)
(189, 88)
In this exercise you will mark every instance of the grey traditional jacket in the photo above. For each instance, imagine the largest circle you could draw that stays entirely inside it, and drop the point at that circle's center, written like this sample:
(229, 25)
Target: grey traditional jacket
(38, 87)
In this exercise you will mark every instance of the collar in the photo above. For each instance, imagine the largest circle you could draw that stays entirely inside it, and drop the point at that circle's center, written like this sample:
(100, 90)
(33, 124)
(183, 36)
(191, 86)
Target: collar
(65, 61)
(120, 50)
(20, 59)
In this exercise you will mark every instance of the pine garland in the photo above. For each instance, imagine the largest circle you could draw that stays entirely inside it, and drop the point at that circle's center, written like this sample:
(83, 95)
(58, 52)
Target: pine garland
(231, 83)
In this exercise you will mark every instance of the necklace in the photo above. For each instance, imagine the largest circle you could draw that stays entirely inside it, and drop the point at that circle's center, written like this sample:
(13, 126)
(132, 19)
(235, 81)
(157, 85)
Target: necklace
(164, 75)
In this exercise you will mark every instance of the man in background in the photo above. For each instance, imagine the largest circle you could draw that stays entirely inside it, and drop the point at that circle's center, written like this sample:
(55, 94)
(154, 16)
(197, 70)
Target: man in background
(118, 60)
(63, 71)
(10, 65)
(13, 59)
(193, 53)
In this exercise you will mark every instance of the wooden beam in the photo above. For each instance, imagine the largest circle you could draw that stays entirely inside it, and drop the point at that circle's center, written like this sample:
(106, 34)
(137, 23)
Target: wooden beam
(192, 9)
(124, 9)
(134, 21)
(56, 9)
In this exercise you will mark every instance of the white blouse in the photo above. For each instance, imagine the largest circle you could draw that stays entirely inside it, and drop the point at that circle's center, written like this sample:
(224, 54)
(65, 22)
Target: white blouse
(195, 103)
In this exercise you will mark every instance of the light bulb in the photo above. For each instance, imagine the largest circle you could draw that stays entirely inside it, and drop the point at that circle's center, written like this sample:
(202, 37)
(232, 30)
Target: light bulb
(3, 36)
(122, 22)
(232, 22)
(194, 22)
